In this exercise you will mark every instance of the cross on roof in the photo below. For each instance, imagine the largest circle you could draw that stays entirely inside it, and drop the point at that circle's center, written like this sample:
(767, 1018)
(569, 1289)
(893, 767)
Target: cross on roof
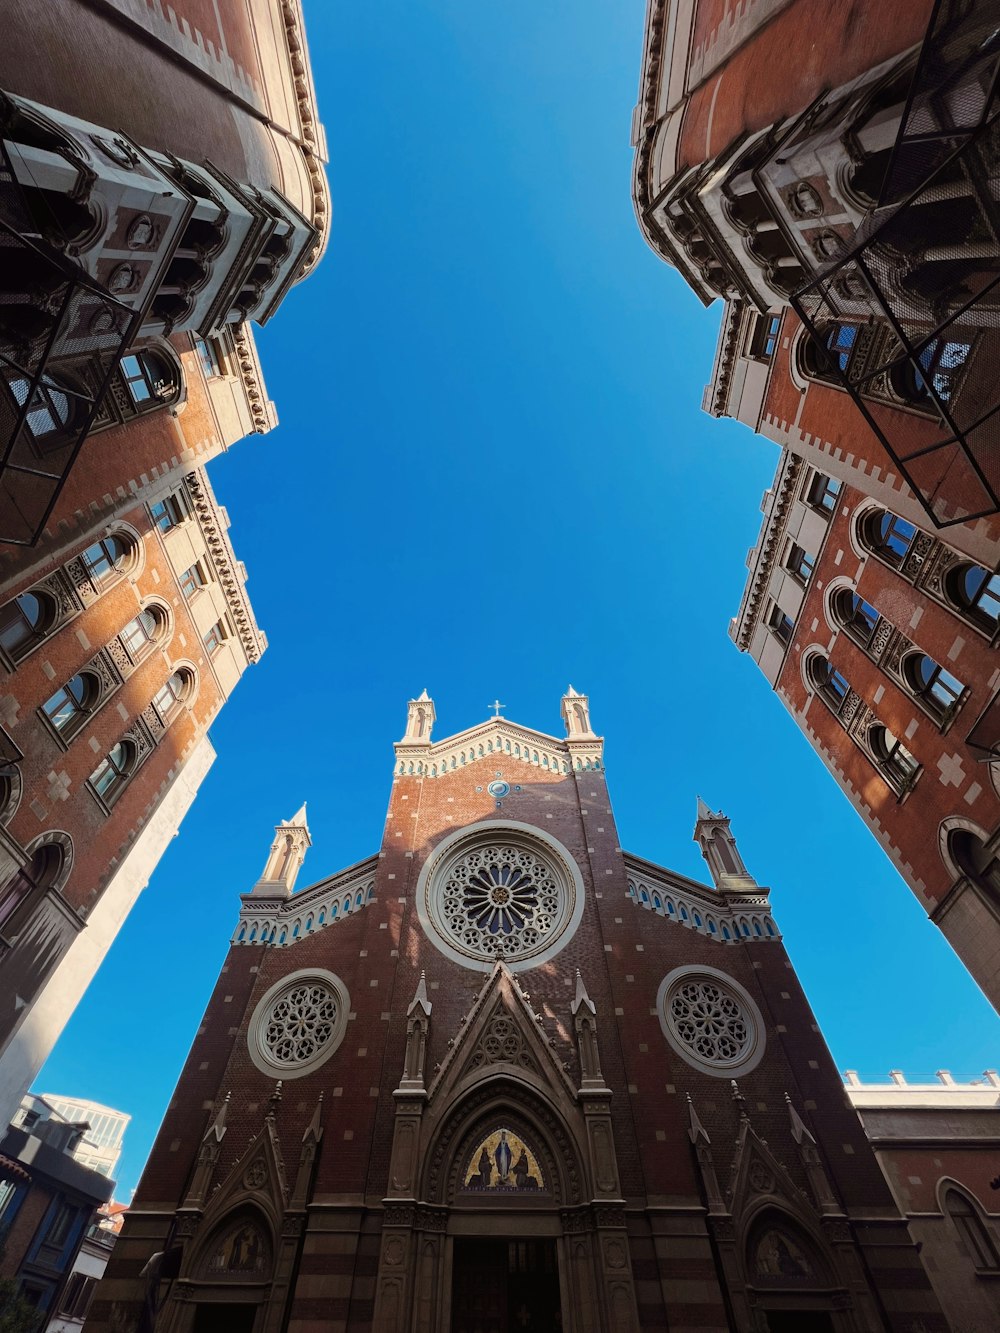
(496, 705)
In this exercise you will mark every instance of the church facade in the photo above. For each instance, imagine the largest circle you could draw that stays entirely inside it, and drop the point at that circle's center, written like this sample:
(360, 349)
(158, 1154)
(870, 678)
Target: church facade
(505, 1075)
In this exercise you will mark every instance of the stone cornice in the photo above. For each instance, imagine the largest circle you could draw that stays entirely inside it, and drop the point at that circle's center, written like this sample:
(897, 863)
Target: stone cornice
(499, 738)
(268, 918)
(767, 549)
(312, 147)
(224, 560)
(245, 350)
(721, 917)
(717, 391)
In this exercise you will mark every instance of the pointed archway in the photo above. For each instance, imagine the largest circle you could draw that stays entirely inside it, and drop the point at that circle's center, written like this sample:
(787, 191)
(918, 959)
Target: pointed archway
(506, 1208)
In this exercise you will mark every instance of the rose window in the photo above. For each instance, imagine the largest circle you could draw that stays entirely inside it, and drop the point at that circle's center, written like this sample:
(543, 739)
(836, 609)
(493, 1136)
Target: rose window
(298, 1024)
(499, 901)
(710, 1021)
(490, 899)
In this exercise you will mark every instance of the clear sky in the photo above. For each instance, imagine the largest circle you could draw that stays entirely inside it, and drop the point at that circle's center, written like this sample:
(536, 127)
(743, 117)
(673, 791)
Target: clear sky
(493, 478)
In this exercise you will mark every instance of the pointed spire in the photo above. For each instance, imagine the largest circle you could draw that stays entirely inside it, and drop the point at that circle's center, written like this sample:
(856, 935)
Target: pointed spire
(576, 715)
(217, 1128)
(420, 1000)
(696, 1130)
(718, 846)
(274, 1101)
(288, 851)
(420, 717)
(582, 998)
(314, 1130)
(739, 1099)
(799, 1132)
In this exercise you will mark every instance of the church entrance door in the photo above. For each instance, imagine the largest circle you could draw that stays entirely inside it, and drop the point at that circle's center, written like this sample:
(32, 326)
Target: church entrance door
(799, 1321)
(219, 1318)
(505, 1286)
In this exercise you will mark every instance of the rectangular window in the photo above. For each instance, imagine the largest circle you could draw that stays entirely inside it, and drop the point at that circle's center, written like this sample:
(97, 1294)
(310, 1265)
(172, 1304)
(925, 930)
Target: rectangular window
(168, 512)
(192, 580)
(208, 354)
(764, 337)
(824, 492)
(800, 563)
(780, 624)
(215, 637)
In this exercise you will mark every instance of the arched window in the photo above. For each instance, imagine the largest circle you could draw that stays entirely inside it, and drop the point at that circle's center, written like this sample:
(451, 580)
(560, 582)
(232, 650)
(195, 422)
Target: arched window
(107, 558)
(68, 709)
(144, 629)
(27, 882)
(972, 1231)
(173, 693)
(893, 758)
(828, 682)
(822, 358)
(111, 776)
(856, 615)
(25, 621)
(888, 535)
(150, 378)
(939, 689)
(976, 862)
(977, 593)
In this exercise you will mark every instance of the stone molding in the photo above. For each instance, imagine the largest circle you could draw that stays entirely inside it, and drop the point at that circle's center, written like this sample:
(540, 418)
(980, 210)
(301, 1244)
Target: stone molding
(312, 134)
(733, 911)
(768, 548)
(226, 566)
(498, 739)
(272, 915)
(261, 410)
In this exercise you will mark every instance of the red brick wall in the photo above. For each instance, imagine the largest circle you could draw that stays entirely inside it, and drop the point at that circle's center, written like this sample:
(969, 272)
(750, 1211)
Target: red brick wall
(623, 953)
(906, 827)
(808, 48)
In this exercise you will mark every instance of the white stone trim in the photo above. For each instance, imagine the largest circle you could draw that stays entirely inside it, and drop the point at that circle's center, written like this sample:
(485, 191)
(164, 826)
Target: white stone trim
(950, 825)
(498, 739)
(255, 1041)
(514, 831)
(748, 923)
(717, 1069)
(284, 923)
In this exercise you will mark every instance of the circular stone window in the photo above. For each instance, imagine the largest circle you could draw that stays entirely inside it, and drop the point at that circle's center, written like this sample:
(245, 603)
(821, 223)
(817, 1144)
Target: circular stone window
(506, 892)
(298, 1024)
(711, 1021)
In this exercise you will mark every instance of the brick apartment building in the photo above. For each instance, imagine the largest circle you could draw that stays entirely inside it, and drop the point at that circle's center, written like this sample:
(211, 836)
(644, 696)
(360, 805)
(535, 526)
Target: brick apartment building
(162, 188)
(828, 172)
(485, 1079)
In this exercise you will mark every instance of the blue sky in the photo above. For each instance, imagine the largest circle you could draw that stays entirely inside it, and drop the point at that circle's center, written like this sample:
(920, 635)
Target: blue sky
(492, 477)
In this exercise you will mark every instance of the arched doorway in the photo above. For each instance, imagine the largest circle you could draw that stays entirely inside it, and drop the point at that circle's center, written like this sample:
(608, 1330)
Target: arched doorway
(791, 1283)
(504, 1235)
(226, 1284)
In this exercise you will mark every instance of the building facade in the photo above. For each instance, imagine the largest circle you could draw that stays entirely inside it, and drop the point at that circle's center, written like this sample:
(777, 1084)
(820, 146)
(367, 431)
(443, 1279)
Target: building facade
(857, 261)
(47, 1202)
(163, 176)
(73, 1304)
(163, 188)
(936, 1143)
(101, 1146)
(502, 1074)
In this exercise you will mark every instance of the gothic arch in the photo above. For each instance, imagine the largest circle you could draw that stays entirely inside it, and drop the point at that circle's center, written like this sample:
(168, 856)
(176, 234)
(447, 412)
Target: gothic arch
(492, 1100)
(55, 838)
(239, 1247)
(781, 1249)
